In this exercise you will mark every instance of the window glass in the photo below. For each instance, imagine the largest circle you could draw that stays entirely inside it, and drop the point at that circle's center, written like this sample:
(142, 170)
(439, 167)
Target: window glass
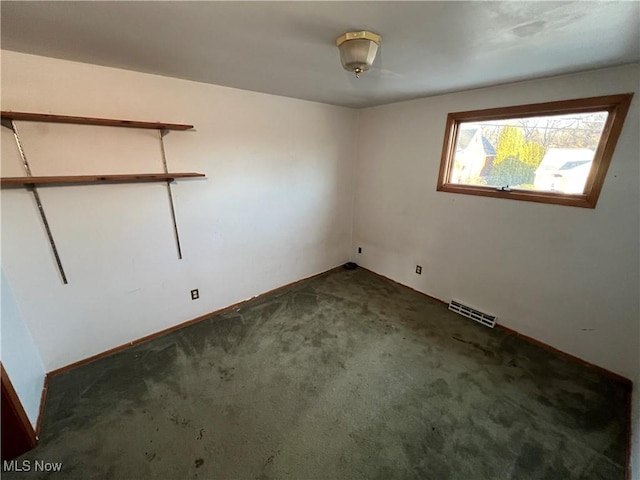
(550, 153)
(555, 152)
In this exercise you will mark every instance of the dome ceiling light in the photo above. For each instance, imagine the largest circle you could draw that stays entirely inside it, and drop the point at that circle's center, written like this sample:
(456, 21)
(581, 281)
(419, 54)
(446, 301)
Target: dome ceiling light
(358, 50)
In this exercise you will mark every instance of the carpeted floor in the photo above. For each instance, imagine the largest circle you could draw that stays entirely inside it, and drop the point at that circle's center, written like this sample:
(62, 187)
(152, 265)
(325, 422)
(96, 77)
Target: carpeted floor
(343, 376)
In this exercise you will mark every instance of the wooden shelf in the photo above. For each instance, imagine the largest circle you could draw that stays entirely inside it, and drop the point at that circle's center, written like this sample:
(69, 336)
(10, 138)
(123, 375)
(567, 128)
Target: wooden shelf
(6, 120)
(9, 182)
(105, 122)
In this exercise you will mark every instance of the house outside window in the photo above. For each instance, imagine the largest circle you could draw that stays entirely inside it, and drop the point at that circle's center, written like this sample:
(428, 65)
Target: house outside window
(556, 152)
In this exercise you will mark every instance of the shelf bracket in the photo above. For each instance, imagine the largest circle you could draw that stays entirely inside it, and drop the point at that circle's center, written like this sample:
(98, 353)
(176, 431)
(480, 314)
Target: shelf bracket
(25, 163)
(163, 132)
(7, 123)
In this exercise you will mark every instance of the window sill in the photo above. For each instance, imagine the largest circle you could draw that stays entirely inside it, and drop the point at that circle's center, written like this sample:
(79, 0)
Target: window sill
(575, 200)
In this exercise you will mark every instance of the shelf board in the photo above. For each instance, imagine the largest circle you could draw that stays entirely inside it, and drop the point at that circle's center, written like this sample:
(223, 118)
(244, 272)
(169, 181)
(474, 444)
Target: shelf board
(9, 182)
(105, 122)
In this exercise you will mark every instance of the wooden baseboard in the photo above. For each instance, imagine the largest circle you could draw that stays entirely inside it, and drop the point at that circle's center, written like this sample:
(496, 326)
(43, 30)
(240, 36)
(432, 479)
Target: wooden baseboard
(603, 371)
(628, 384)
(173, 328)
(625, 381)
(43, 401)
(404, 286)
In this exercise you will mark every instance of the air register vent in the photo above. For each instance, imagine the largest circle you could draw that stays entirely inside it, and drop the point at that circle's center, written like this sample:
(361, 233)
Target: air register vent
(472, 313)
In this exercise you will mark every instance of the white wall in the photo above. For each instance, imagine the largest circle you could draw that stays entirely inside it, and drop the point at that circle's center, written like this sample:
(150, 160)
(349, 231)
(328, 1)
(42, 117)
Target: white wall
(276, 205)
(566, 276)
(19, 355)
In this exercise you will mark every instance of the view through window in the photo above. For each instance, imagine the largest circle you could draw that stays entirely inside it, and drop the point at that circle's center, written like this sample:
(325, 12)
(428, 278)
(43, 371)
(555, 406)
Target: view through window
(550, 153)
(555, 152)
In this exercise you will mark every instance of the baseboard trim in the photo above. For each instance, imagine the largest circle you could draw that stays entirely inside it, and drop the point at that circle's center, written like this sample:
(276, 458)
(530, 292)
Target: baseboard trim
(625, 382)
(619, 378)
(43, 401)
(404, 286)
(628, 384)
(615, 376)
(607, 373)
(173, 328)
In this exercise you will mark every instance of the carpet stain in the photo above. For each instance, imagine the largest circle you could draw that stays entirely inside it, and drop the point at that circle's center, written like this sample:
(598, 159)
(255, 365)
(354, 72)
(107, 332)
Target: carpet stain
(485, 351)
(346, 375)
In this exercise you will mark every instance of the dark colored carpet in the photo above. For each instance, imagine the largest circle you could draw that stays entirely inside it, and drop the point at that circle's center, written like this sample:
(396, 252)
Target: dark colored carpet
(346, 375)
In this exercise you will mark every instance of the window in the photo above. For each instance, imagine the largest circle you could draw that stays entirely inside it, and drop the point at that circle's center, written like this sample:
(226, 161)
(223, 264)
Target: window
(556, 152)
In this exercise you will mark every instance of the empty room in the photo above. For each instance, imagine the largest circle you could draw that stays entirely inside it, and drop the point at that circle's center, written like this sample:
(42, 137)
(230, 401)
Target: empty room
(320, 240)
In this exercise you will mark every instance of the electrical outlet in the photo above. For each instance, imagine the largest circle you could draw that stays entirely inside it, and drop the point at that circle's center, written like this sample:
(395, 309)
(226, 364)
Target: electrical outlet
(418, 269)
(194, 294)
(359, 249)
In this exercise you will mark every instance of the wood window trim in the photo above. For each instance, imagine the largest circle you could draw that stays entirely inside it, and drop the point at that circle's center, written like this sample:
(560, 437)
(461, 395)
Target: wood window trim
(617, 107)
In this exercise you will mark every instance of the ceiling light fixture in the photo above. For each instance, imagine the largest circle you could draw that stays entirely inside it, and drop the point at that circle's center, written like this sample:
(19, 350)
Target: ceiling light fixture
(358, 50)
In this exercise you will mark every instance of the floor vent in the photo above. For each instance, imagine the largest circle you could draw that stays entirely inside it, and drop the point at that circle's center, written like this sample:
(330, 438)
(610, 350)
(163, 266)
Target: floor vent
(473, 314)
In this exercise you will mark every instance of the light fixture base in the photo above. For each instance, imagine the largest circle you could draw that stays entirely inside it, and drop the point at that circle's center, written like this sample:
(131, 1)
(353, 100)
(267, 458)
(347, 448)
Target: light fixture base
(363, 34)
(358, 50)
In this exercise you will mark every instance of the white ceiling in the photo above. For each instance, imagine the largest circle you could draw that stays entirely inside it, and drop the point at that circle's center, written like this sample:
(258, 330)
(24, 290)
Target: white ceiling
(288, 48)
